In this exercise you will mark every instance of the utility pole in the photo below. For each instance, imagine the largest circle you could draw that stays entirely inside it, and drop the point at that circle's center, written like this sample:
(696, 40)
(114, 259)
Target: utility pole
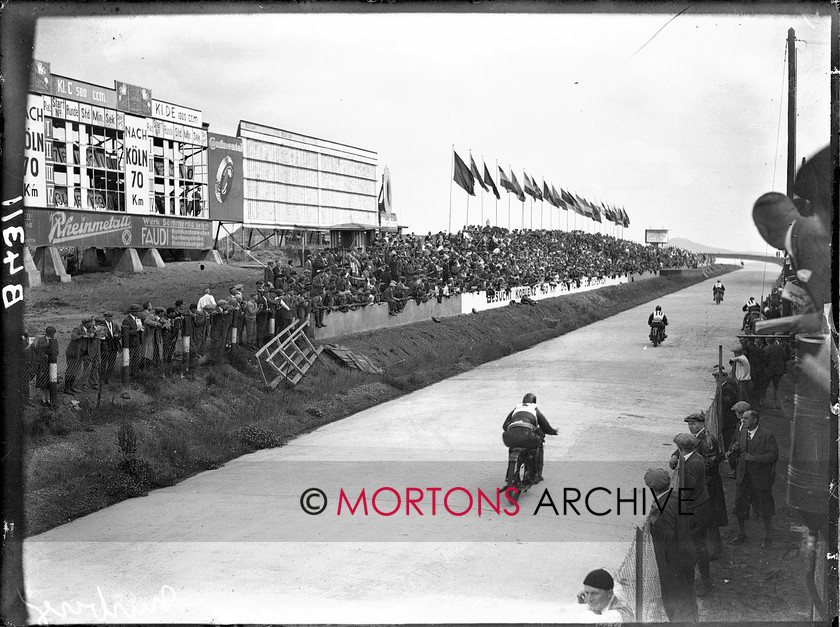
(791, 152)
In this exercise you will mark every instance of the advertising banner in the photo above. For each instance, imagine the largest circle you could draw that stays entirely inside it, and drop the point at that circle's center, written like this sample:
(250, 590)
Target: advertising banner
(88, 229)
(110, 118)
(98, 116)
(48, 112)
(175, 113)
(136, 165)
(84, 92)
(34, 154)
(134, 99)
(224, 163)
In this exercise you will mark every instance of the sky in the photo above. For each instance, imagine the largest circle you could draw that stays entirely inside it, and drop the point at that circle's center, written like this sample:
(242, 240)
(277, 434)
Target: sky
(684, 128)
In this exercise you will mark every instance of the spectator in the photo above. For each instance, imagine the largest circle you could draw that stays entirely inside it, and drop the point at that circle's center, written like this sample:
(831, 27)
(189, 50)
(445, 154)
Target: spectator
(251, 322)
(709, 449)
(600, 596)
(674, 550)
(95, 342)
(46, 367)
(695, 502)
(729, 394)
(132, 337)
(111, 347)
(77, 356)
(206, 300)
(151, 337)
(776, 359)
(755, 355)
(756, 452)
(741, 372)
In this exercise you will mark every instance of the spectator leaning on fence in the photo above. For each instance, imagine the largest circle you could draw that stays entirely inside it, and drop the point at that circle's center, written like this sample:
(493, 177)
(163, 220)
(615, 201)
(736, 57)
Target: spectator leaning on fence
(674, 549)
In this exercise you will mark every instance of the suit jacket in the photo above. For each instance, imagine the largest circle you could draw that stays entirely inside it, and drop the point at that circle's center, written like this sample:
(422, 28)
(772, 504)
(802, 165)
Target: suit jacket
(694, 493)
(764, 451)
(78, 345)
(113, 338)
(131, 336)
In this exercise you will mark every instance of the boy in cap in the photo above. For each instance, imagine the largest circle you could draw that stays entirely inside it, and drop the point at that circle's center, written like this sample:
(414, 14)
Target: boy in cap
(599, 594)
(674, 550)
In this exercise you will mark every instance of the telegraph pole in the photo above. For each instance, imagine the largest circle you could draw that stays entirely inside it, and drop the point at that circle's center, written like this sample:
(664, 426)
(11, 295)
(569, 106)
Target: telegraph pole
(791, 152)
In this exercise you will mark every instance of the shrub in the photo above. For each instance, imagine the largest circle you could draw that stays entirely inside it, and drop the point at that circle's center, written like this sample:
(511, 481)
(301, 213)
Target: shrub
(257, 438)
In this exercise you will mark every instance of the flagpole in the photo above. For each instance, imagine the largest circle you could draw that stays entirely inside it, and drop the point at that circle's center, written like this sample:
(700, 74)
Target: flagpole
(481, 223)
(451, 178)
(468, 211)
(497, 200)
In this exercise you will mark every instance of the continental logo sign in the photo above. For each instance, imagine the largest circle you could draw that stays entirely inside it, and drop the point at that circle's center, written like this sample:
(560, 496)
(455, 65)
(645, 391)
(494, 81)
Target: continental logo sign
(222, 144)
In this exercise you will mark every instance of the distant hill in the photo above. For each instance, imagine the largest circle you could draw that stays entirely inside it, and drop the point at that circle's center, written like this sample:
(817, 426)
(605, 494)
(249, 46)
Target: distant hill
(694, 247)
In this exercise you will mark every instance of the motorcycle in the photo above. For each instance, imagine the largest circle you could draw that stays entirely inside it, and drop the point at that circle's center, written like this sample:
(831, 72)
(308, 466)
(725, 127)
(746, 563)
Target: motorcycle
(749, 321)
(718, 296)
(522, 469)
(657, 334)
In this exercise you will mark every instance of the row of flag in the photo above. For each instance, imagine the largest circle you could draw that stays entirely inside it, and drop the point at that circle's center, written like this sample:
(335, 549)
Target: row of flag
(466, 177)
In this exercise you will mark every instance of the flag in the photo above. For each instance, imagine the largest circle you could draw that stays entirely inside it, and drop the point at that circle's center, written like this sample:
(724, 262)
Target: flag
(505, 182)
(585, 210)
(596, 214)
(517, 188)
(547, 194)
(625, 218)
(463, 176)
(476, 174)
(381, 200)
(489, 180)
(529, 186)
(537, 192)
(559, 199)
(608, 214)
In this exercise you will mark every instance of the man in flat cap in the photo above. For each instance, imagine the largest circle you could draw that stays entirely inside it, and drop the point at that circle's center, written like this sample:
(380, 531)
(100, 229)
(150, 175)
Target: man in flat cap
(712, 454)
(756, 452)
(600, 596)
(739, 409)
(694, 501)
(674, 549)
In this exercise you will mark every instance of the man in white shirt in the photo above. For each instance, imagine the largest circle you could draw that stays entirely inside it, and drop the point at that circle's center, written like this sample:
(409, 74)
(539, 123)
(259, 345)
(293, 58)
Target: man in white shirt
(207, 299)
(741, 369)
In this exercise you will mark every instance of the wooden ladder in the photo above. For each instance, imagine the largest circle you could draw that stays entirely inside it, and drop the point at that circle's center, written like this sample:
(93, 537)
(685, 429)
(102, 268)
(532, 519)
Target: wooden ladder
(288, 355)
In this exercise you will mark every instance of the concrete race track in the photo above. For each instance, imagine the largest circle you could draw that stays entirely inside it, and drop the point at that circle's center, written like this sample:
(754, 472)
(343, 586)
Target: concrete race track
(233, 545)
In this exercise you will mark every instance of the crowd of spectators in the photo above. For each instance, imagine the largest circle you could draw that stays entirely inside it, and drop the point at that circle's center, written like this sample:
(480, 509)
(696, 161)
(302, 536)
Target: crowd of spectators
(397, 268)
(393, 269)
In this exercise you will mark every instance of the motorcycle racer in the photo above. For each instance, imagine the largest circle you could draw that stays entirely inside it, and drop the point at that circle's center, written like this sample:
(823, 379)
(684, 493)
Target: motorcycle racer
(659, 320)
(523, 428)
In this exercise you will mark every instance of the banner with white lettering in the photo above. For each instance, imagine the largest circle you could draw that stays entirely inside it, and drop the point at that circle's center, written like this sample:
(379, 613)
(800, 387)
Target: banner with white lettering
(34, 176)
(136, 165)
(101, 229)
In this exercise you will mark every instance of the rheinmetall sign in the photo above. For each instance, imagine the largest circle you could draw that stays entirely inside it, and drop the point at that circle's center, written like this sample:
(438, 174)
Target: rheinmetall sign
(96, 229)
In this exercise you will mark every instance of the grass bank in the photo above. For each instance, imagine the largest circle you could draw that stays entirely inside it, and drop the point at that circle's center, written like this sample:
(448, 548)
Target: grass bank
(105, 449)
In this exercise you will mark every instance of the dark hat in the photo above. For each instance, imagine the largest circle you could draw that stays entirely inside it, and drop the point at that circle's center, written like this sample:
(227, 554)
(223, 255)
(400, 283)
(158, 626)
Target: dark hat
(695, 417)
(99, 319)
(718, 370)
(50, 331)
(600, 579)
(657, 479)
(107, 314)
(87, 320)
(160, 310)
(741, 406)
(685, 440)
(135, 308)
